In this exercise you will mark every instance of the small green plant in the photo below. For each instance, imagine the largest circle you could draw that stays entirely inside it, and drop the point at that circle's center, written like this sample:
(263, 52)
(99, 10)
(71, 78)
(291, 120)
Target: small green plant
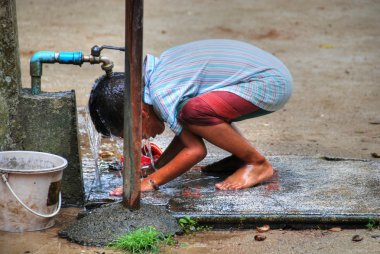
(371, 223)
(189, 225)
(142, 240)
(241, 221)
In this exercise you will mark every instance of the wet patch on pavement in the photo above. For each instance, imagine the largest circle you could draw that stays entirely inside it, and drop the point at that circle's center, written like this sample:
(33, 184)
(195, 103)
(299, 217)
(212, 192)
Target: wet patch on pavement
(303, 190)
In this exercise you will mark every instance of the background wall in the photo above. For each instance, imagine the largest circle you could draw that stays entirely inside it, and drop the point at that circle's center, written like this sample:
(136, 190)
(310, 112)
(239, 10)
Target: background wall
(330, 47)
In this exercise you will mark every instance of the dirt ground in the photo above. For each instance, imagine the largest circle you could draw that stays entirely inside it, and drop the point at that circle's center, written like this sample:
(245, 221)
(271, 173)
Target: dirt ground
(226, 241)
(330, 47)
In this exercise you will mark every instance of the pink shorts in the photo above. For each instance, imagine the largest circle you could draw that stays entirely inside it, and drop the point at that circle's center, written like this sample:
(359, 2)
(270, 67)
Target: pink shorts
(217, 107)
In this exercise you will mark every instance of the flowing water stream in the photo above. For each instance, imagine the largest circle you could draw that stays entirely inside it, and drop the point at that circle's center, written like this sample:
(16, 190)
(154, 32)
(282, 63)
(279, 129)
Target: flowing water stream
(94, 139)
(146, 147)
(102, 160)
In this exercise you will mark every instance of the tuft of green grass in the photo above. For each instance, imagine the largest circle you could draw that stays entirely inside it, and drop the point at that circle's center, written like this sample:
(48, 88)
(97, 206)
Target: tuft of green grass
(142, 240)
(241, 221)
(371, 223)
(189, 225)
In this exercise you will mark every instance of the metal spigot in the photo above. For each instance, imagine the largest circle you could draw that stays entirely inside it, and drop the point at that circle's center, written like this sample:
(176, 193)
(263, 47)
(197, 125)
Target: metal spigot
(95, 57)
(95, 50)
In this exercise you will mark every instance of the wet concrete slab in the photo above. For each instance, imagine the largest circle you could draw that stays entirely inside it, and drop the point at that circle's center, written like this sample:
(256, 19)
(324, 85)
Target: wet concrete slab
(304, 190)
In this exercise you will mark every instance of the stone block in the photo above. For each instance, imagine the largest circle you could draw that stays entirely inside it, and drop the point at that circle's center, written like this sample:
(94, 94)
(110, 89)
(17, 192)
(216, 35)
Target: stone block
(49, 124)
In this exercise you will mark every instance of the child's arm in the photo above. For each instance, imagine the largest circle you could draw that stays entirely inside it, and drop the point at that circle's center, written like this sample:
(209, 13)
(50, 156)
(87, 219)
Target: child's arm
(170, 152)
(193, 151)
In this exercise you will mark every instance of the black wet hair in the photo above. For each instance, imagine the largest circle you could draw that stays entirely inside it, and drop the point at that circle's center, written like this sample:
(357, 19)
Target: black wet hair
(106, 104)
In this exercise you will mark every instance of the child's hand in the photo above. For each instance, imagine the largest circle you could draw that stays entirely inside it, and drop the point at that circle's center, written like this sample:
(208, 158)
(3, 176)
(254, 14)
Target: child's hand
(117, 192)
(146, 185)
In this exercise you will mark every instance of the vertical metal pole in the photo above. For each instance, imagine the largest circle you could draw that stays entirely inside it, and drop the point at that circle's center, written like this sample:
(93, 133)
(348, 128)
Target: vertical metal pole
(132, 103)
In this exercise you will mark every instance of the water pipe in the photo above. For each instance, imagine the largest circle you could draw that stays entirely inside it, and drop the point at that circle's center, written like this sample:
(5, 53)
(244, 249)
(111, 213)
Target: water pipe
(76, 58)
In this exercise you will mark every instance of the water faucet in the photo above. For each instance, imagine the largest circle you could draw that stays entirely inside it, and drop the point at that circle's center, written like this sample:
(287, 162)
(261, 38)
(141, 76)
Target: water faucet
(76, 58)
(95, 57)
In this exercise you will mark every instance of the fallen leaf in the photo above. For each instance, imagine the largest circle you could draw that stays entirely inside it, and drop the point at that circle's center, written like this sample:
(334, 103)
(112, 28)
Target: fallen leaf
(263, 229)
(357, 238)
(105, 154)
(336, 229)
(326, 46)
(260, 237)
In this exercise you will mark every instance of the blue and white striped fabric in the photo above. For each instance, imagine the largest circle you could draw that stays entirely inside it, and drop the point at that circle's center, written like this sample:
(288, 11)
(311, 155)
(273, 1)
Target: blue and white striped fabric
(188, 70)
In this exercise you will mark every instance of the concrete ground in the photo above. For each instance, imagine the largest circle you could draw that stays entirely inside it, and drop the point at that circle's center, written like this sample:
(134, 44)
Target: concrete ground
(331, 48)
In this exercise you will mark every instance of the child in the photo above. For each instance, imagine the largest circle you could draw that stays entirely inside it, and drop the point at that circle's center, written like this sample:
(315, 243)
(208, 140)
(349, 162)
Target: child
(199, 89)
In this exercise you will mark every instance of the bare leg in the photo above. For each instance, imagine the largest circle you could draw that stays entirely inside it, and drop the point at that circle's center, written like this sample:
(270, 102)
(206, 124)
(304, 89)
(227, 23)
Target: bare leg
(227, 165)
(256, 168)
(170, 152)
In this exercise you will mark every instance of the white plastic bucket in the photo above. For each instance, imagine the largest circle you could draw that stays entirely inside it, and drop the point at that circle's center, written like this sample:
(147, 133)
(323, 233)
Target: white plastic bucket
(30, 188)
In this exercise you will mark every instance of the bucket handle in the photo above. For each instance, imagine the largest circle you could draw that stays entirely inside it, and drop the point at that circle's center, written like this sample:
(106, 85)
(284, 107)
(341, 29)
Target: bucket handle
(29, 209)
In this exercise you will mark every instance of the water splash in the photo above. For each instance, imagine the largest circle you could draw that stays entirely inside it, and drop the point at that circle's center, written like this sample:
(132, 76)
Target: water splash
(118, 144)
(148, 150)
(94, 139)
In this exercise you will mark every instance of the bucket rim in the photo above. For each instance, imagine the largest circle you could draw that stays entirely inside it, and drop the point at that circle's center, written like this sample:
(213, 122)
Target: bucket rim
(60, 167)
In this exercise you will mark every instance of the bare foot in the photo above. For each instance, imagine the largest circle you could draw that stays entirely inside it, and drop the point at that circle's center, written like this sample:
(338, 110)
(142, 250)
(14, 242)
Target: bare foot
(247, 176)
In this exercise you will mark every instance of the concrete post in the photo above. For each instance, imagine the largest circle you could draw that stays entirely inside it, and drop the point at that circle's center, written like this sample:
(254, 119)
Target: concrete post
(46, 123)
(10, 76)
(49, 124)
